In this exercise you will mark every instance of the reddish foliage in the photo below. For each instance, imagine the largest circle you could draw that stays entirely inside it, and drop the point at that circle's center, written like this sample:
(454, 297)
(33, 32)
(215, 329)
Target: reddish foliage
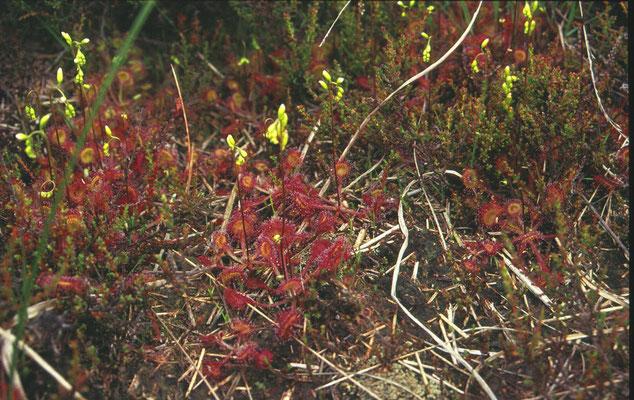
(491, 248)
(213, 370)
(291, 286)
(324, 222)
(489, 214)
(513, 208)
(220, 242)
(242, 328)
(65, 284)
(342, 169)
(471, 265)
(286, 322)
(236, 300)
(292, 160)
(470, 178)
(263, 359)
(554, 196)
(247, 182)
(246, 353)
(230, 274)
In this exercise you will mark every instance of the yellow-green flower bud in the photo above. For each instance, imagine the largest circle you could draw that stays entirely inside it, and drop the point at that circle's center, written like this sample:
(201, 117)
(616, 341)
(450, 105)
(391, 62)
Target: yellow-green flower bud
(427, 53)
(66, 37)
(70, 110)
(108, 131)
(79, 78)
(60, 76)
(21, 136)
(242, 152)
(534, 6)
(240, 160)
(106, 149)
(44, 120)
(30, 112)
(339, 81)
(29, 152)
(80, 58)
(281, 112)
(85, 41)
(484, 44)
(425, 35)
(284, 140)
(243, 61)
(431, 9)
(527, 11)
(326, 75)
(324, 85)
(507, 71)
(283, 122)
(474, 66)
(231, 142)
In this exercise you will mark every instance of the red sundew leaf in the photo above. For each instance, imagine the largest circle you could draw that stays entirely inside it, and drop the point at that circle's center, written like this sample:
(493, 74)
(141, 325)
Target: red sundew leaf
(242, 328)
(246, 353)
(470, 178)
(286, 321)
(489, 213)
(213, 370)
(230, 274)
(247, 182)
(342, 169)
(491, 248)
(236, 300)
(139, 164)
(65, 284)
(211, 339)
(290, 286)
(293, 159)
(324, 222)
(554, 195)
(255, 283)
(263, 359)
(266, 248)
(513, 208)
(471, 266)
(205, 261)
(319, 246)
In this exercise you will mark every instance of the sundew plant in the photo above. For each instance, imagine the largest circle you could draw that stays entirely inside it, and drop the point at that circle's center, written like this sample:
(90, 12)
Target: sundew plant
(246, 200)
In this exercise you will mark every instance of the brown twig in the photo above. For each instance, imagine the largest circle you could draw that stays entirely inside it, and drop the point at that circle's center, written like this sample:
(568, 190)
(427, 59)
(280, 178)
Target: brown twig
(190, 154)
